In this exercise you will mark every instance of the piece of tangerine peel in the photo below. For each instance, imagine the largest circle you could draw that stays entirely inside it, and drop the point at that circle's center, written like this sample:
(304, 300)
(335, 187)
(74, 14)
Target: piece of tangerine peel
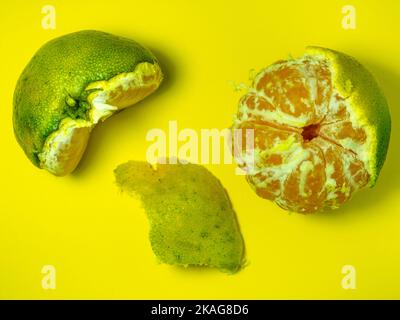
(192, 222)
(321, 130)
(71, 84)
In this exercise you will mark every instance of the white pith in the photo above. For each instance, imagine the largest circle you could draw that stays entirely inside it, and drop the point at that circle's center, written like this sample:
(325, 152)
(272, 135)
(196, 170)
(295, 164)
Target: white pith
(360, 150)
(59, 142)
(55, 150)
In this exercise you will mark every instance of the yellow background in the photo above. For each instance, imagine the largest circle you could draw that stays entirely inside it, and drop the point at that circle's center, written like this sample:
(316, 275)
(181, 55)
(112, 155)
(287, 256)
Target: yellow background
(97, 238)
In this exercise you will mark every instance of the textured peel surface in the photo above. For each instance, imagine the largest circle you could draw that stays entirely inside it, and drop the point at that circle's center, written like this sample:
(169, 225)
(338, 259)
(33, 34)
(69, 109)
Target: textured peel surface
(54, 89)
(192, 221)
(312, 149)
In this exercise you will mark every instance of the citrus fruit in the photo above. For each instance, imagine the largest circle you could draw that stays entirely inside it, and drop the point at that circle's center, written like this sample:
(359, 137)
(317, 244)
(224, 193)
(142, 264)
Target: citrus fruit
(71, 84)
(321, 130)
(192, 221)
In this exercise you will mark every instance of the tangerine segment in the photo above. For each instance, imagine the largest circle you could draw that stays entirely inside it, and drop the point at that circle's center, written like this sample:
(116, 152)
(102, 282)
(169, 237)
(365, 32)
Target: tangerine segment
(272, 144)
(295, 92)
(309, 152)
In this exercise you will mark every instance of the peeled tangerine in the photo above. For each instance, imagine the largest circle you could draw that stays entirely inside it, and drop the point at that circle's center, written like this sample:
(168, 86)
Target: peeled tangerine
(71, 84)
(321, 131)
(192, 221)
